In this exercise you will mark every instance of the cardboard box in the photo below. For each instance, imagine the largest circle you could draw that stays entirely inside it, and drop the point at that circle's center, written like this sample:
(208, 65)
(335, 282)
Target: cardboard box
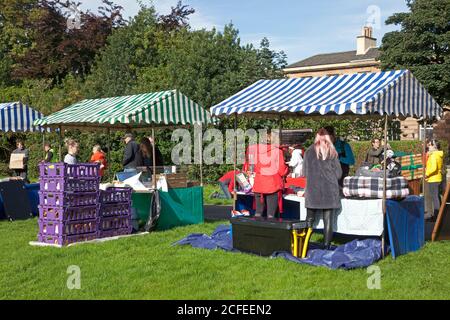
(177, 180)
(17, 161)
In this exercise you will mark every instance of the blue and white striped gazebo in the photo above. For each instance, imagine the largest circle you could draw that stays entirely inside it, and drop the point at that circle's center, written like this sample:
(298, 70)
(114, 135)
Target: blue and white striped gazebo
(18, 117)
(384, 94)
(392, 93)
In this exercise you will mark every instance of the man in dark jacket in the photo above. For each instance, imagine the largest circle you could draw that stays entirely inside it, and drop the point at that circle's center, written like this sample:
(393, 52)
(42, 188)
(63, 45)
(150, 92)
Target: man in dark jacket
(23, 173)
(131, 153)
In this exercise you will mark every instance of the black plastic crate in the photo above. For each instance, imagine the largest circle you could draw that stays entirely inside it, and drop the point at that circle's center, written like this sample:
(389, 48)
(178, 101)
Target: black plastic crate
(264, 236)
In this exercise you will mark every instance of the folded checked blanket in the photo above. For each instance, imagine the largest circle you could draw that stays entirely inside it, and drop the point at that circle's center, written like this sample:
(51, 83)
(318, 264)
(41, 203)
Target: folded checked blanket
(377, 194)
(372, 187)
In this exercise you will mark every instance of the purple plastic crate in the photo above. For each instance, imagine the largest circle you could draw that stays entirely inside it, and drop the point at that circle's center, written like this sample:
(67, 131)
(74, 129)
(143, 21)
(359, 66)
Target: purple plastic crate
(112, 223)
(115, 232)
(115, 195)
(65, 199)
(59, 184)
(60, 169)
(64, 240)
(69, 213)
(115, 209)
(68, 228)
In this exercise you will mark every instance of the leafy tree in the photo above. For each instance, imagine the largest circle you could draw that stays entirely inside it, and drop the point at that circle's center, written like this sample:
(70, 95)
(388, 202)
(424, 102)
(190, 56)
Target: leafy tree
(422, 45)
(128, 49)
(42, 46)
(177, 19)
(208, 66)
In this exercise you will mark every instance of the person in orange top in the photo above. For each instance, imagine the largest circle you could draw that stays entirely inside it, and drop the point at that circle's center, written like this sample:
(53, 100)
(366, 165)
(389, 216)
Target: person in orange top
(100, 157)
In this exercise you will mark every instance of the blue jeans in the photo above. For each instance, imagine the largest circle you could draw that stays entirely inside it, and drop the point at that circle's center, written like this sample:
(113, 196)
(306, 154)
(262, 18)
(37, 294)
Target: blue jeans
(224, 186)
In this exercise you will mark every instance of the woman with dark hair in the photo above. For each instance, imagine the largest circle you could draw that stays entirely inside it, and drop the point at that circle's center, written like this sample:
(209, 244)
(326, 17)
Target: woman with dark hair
(322, 170)
(145, 158)
(145, 153)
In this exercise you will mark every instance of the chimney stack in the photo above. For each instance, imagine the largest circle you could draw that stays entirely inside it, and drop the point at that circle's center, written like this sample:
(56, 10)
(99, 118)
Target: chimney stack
(365, 41)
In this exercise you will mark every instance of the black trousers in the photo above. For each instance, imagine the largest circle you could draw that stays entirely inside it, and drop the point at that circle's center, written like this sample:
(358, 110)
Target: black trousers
(327, 221)
(345, 171)
(270, 202)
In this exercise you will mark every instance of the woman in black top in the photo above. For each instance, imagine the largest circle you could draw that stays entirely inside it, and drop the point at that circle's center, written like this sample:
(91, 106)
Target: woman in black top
(145, 158)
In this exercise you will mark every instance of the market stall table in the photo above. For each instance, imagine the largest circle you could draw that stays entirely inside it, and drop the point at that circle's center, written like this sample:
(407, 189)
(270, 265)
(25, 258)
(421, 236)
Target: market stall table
(362, 217)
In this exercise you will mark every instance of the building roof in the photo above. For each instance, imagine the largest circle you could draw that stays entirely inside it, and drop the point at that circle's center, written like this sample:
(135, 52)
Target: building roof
(335, 58)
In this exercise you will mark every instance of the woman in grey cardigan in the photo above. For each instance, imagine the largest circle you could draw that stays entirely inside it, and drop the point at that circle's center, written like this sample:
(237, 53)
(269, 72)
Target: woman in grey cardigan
(322, 171)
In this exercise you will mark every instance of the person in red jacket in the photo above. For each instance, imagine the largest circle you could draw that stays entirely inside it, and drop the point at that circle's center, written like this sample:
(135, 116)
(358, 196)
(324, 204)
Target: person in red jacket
(98, 156)
(269, 169)
(227, 183)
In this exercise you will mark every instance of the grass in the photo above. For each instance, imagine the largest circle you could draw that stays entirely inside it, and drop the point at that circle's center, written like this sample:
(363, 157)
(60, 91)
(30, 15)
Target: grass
(208, 190)
(149, 267)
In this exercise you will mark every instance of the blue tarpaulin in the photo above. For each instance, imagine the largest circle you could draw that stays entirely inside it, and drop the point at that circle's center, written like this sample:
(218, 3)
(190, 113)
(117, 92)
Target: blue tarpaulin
(355, 254)
(405, 224)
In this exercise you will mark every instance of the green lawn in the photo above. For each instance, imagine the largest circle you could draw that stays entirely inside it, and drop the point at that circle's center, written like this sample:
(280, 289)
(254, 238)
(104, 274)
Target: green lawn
(208, 190)
(148, 267)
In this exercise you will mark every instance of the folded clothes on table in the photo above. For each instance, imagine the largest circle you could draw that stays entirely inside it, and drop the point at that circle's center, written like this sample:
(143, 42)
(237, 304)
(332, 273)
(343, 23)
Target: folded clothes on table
(372, 187)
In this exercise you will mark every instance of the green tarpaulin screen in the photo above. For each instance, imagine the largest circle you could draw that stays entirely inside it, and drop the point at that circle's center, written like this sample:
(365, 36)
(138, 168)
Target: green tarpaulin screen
(179, 207)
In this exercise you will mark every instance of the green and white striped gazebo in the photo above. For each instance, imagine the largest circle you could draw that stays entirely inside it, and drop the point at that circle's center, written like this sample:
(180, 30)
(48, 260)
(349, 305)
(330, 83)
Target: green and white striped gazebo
(166, 108)
(141, 111)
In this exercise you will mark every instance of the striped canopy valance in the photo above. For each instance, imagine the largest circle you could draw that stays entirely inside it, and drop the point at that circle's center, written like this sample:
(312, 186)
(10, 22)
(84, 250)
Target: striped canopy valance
(18, 117)
(396, 93)
(159, 108)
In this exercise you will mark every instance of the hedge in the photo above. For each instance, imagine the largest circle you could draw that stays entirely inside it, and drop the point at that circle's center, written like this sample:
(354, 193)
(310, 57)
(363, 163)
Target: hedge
(211, 173)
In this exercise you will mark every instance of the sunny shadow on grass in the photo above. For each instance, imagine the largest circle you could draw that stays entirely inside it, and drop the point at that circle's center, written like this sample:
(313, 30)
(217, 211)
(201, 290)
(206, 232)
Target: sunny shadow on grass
(149, 267)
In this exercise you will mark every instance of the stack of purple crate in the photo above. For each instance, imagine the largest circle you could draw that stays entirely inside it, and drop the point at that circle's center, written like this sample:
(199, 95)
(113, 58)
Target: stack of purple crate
(115, 212)
(68, 202)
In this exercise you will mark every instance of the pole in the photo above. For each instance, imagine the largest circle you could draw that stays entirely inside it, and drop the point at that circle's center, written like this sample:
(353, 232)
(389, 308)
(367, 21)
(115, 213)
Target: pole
(109, 154)
(383, 242)
(43, 143)
(154, 158)
(235, 161)
(201, 154)
(60, 144)
(424, 152)
(280, 125)
(424, 164)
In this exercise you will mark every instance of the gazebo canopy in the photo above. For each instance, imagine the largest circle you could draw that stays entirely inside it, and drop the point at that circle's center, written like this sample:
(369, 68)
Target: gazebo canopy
(18, 117)
(136, 111)
(392, 93)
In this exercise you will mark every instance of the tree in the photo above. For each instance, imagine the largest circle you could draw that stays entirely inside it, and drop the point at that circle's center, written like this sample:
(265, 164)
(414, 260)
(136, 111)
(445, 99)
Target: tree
(53, 49)
(128, 49)
(422, 45)
(208, 66)
(177, 19)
